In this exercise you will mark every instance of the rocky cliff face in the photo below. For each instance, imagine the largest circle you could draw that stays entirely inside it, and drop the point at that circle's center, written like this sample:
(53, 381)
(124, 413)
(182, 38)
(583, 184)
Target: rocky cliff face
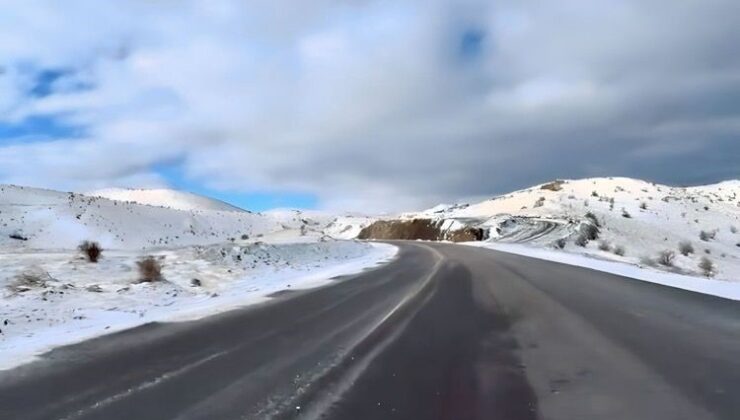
(425, 229)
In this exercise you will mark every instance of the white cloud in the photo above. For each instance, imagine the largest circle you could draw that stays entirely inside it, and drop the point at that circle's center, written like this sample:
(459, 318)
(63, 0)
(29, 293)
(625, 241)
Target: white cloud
(372, 103)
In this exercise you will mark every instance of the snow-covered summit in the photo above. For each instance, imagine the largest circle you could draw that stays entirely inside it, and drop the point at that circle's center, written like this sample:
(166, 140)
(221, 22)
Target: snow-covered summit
(44, 219)
(163, 197)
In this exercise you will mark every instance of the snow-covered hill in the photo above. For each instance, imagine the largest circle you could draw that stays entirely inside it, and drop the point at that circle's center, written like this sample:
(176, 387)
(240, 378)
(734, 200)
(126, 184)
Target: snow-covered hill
(645, 222)
(37, 218)
(213, 257)
(162, 197)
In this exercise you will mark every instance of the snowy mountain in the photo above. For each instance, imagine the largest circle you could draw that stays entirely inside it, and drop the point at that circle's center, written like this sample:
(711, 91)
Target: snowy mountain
(173, 199)
(648, 223)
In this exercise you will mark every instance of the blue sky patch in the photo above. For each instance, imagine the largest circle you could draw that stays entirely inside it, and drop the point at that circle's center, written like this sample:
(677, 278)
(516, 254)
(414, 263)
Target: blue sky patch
(253, 201)
(38, 128)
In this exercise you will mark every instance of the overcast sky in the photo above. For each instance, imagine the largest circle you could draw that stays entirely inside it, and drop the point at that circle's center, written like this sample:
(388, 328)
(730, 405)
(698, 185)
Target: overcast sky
(366, 105)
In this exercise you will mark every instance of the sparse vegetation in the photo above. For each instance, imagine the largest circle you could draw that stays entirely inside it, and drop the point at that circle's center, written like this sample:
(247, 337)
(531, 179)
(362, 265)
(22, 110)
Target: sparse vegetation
(707, 236)
(592, 217)
(590, 231)
(604, 246)
(685, 248)
(619, 250)
(666, 258)
(626, 214)
(581, 240)
(643, 205)
(707, 267)
(91, 250)
(149, 270)
(560, 243)
(733, 229)
(28, 280)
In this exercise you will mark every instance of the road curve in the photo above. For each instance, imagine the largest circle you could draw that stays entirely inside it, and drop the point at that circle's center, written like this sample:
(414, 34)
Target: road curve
(443, 332)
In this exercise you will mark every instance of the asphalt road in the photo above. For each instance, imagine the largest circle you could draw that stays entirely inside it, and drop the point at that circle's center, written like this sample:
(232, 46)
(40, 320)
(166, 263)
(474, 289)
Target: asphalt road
(443, 332)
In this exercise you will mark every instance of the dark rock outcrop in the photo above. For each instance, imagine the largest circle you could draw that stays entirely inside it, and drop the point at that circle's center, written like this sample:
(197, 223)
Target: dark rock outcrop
(424, 229)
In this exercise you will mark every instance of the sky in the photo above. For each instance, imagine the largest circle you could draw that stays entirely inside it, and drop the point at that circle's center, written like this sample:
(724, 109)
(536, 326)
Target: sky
(366, 105)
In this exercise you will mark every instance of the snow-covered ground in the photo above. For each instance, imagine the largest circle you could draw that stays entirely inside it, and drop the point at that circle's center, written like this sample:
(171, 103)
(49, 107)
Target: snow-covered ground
(73, 299)
(162, 197)
(214, 257)
(642, 221)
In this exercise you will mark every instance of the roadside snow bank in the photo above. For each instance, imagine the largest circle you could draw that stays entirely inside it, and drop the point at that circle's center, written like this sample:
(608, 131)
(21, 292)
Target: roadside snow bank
(54, 298)
(720, 288)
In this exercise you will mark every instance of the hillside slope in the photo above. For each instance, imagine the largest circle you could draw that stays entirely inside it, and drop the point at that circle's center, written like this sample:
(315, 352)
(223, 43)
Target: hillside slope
(37, 218)
(173, 199)
(604, 217)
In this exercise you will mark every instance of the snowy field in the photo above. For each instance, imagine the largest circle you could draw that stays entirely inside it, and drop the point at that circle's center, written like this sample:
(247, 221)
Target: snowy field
(70, 299)
(213, 257)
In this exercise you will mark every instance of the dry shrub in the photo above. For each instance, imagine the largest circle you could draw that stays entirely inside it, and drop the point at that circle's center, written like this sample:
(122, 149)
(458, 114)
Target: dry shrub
(707, 236)
(706, 266)
(666, 258)
(149, 270)
(619, 250)
(91, 250)
(592, 217)
(581, 240)
(604, 246)
(30, 279)
(685, 248)
(589, 231)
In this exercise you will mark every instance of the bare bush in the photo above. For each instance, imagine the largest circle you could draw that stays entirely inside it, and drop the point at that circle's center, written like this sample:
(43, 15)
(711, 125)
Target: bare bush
(626, 214)
(707, 236)
(560, 243)
(91, 250)
(666, 258)
(590, 231)
(733, 229)
(643, 205)
(685, 248)
(149, 270)
(707, 267)
(619, 250)
(592, 217)
(581, 240)
(604, 246)
(31, 279)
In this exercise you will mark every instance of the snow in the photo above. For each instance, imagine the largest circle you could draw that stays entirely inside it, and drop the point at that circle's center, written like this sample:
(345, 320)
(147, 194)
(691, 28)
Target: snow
(659, 217)
(723, 289)
(81, 300)
(214, 258)
(348, 227)
(168, 198)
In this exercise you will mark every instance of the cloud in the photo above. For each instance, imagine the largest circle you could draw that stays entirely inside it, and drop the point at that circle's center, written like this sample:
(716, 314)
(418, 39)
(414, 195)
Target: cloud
(374, 105)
